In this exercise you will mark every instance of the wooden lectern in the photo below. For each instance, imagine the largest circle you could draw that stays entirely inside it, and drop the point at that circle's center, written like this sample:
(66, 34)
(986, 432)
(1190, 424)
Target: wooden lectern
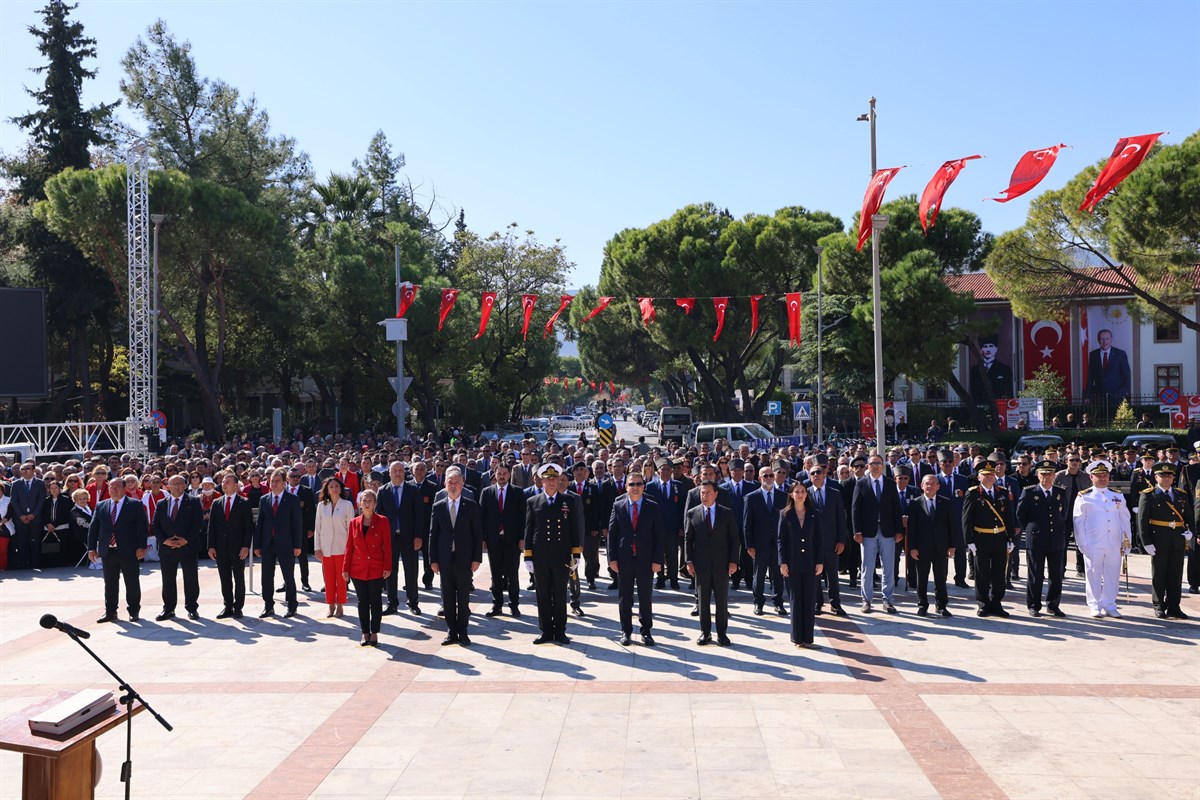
(58, 767)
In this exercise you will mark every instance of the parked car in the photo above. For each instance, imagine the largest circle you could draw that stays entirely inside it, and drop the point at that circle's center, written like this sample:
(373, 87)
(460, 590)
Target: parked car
(1037, 441)
(733, 432)
(1155, 440)
(536, 424)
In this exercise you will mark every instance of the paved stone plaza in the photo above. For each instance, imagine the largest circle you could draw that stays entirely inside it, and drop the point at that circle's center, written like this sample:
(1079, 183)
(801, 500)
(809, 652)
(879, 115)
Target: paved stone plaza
(889, 707)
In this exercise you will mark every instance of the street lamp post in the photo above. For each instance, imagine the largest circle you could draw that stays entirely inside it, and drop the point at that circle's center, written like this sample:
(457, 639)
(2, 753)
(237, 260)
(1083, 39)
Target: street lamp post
(818, 249)
(878, 223)
(157, 219)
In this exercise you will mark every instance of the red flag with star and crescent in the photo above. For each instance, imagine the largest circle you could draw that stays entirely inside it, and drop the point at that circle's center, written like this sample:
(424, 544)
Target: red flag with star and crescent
(528, 301)
(1125, 158)
(720, 304)
(1048, 342)
(793, 312)
(935, 190)
(563, 302)
(448, 298)
(754, 298)
(686, 303)
(408, 293)
(646, 304)
(604, 301)
(1030, 169)
(872, 200)
(488, 303)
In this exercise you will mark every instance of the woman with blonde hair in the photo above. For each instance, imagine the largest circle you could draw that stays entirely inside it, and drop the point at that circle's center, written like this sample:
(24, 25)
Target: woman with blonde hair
(368, 562)
(334, 513)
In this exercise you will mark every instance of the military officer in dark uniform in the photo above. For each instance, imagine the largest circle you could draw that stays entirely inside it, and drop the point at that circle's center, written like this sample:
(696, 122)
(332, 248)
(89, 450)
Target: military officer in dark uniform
(565, 488)
(988, 527)
(1042, 514)
(1163, 514)
(553, 543)
(1140, 480)
(1189, 483)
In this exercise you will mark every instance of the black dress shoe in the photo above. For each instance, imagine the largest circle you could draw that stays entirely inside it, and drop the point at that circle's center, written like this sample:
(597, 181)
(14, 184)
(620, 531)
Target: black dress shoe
(107, 618)
(166, 615)
(414, 608)
(512, 609)
(625, 640)
(612, 587)
(545, 638)
(979, 612)
(306, 587)
(562, 638)
(238, 615)
(441, 611)
(675, 585)
(1057, 612)
(758, 610)
(781, 611)
(291, 612)
(450, 639)
(962, 584)
(704, 639)
(495, 612)
(695, 612)
(841, 612)
(391, 609)
(819, 608)
(267, 612)
(647, 640)
(134, 618)
(193, 615)
(592, 585)
(889, 608)
(945, 612)
(1009, 585)
(1177, 613)
(1159, 614)
(225, 614)
(1034, 612)
(660, 584)
(365, 641)
(464, 640)
(576, 610)
(1194, 590)
(723, 640)
(922, 611)
(1000, 612)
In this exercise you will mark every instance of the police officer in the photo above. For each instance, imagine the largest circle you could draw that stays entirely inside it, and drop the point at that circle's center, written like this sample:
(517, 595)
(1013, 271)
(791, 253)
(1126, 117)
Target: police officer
(1042, 514)
(988, 528)
(553, 544)
(1163, 522)
(1101, 518)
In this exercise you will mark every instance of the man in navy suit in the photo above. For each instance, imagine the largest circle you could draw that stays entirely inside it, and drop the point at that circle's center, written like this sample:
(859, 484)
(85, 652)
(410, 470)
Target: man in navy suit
(635, 549)
(760, 529)
(503, 508)
(931, 543)
(738, 488)
(178, 523)
(28, 494)
(828, 500)
(278, 539)
(953, 487)
(455, 552)
(400, 502)
(668, 496)
(230, 535)
(427, 490)
(713, 548)
(117, 536)
(878, 528)
(1108, 370)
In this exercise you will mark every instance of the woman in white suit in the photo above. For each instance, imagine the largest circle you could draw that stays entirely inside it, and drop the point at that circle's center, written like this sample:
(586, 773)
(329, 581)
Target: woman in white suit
(334, 513)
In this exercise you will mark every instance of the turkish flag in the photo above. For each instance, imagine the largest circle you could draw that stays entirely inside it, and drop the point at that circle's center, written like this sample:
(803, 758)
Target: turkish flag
(579, 383)
(1047, 341)
(612, 388)
(872, 200)
(563, 302)
(935, 190)
(528, 301)
(448, 298)
(489, 301)
(754, 298)
(1030, 169)
(604, 301)
(719, 305)
(686, 303)
(592, 384)
(1125, 158)
(866, 416)
(647, 306)
(408, 293)
(793, 312)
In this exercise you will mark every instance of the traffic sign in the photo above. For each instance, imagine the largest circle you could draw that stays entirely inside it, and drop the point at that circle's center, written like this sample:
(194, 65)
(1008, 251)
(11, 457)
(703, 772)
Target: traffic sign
(605, 422)
(774, 408)
(407, 382)
(802, 410)
(1168, 396)
(1169, 409)
(160, 419)
(604, 436)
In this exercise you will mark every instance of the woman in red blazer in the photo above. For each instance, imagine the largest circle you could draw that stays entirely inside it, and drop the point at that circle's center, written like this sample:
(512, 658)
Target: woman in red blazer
(368, 564)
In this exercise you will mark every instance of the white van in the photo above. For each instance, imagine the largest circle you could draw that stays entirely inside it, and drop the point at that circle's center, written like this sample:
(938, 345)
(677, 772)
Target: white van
(733, 432)
(674, 424)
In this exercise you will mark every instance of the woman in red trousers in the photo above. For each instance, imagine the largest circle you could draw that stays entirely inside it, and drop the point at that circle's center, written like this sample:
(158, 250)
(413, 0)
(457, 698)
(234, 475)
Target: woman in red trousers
(368, 563)
(334, 514)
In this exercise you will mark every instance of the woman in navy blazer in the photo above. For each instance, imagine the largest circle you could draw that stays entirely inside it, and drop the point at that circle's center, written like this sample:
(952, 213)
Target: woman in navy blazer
(800, 560)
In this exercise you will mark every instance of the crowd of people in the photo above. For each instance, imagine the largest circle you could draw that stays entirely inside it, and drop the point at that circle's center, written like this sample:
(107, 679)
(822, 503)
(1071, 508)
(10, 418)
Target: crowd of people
(790, 527)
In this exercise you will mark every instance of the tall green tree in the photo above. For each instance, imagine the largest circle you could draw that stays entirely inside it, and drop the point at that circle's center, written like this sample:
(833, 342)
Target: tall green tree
(62, 133)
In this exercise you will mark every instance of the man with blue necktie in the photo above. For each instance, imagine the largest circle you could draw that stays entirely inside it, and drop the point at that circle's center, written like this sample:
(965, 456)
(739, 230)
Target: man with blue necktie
(278, 539)
(760, 528)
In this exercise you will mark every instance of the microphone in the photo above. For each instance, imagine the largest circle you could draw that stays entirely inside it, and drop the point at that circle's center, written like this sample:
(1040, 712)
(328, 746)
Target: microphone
(50, 621)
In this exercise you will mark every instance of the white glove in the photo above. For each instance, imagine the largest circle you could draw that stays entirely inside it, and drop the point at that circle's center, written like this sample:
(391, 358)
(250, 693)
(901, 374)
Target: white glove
(574, 563)
(529, 565)
(1009, 547)
(1187, 536)
(1150, 549)
(971, 547)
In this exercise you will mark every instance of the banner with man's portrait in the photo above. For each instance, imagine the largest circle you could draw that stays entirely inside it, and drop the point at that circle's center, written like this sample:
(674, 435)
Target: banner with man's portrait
(1106, 352)
(995, 367)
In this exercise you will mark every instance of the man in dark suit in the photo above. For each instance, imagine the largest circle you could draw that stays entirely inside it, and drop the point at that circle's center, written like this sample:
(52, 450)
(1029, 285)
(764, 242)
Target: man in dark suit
(760, 529)
(278, 539)
(1042, 514)
(118, 536)
(1109, 376)
(635, 547)
(553, 544)
(988, 525)
(738, 487)
(828, 500)
(503, 508)
(907, 492)
(427, 489)
(612, 487)
(178, 526)
(708, 472)
(668, 497)
(589, 495)
(400, 502)
(852, 557)
(712, 545)
(308, 511)
(456, 551)
(931, 544)
(310, 478)
(878, 528)
(953, 487)
(230, 534)
(27, 494)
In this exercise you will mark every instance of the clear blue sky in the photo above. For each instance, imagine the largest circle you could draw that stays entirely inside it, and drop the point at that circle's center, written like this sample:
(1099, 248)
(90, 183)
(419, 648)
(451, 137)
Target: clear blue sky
(580, 119)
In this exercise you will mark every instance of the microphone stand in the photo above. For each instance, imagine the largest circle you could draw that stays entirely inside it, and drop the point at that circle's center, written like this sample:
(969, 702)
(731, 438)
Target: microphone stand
(130, 694)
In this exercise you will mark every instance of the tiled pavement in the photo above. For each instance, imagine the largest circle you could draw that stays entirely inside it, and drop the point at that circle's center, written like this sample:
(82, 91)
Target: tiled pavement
(889, 707)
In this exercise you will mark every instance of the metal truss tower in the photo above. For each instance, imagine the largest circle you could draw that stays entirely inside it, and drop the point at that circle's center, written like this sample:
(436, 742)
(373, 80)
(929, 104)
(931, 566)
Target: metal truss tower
(140, 316)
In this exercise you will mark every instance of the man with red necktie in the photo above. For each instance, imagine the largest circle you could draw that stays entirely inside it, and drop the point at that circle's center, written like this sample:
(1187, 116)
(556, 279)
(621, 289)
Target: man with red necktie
(118, 532)
(230, 534)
